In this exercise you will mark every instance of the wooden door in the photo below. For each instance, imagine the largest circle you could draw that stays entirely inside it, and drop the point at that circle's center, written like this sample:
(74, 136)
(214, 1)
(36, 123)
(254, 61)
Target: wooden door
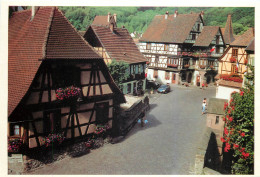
(173, 78)
(198, 80)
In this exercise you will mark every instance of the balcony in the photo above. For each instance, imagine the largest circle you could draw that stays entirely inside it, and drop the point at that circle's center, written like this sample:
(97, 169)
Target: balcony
(172, 65)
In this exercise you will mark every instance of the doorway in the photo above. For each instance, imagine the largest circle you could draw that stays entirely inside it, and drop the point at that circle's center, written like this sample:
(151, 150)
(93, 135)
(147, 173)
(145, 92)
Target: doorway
(173, 78)
(189, 77)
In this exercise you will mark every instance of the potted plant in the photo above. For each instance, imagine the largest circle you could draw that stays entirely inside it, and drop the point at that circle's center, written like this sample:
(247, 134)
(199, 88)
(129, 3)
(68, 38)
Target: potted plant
(14, 145)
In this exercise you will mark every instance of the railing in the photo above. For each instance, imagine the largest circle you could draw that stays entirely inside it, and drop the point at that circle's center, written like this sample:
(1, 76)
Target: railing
(199, 54)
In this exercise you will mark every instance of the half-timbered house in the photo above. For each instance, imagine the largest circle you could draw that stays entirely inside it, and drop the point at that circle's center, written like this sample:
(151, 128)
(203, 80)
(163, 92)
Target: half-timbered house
(46, 55)
(178, 47)
(232, 65)
(116, 43)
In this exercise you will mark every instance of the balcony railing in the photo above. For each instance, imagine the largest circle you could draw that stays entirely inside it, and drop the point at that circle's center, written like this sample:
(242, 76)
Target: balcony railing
(172, 65)
(199, 54)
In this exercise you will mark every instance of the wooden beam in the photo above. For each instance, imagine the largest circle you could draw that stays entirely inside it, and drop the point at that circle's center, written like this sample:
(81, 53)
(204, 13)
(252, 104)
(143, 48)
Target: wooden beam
(49, 85)
(77, 118)
(72, 127)
(99, 81)
(92, 113)
(42, 86)
(67, 125)
(90, 80)
(34, 130)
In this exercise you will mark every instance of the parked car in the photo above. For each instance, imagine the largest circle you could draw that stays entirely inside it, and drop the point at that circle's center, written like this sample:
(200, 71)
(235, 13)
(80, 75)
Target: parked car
(164, 89)
(152, 84)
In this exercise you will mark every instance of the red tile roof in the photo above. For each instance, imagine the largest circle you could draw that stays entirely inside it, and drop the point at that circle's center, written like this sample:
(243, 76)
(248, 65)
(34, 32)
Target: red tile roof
(228, 33)
(244, 39)
(100, 20)
(119, 44)
(206, 36)
(49, 35)
(170, 30)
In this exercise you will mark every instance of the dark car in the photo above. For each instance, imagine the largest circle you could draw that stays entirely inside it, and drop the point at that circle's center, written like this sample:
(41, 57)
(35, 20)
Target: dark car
(152, 84)
(164, 89)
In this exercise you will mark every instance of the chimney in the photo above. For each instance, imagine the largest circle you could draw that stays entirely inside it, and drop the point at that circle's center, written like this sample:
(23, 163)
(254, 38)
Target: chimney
(108, 17)
(166, 15)
(175, 13)
(115, 17)
(111, 26)
(202, 14)
(34, 10)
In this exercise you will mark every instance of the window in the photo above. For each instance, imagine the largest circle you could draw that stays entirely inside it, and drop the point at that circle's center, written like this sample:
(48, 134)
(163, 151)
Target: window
(217, 120)
(64, 76)
(166, 47)
(136, 69)
(148, 46)
(203, 62)
(132, 69)
(52, 121)
(198, 27)
(167, 75)
(15, 129)
(102, 110)
(193, 37)
(217, 49)
(234, 52)
(233, 68)
(128, 88)
(217, 39)
(173, 61)
(210, 63)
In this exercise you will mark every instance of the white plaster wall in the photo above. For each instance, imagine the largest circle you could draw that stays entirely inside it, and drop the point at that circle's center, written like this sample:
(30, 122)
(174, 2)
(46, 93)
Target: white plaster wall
(224, 92)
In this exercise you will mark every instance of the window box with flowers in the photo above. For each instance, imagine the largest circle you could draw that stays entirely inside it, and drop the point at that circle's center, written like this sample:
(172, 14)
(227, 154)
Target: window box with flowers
(14, 145)
(53, 139)
(232, 59)
(68, 93)
(186, 66)
(202, 66)
(234, 78)
(172, 65)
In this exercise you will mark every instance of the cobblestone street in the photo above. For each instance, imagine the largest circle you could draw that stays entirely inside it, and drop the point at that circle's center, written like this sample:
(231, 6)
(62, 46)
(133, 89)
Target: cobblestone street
(166, 145)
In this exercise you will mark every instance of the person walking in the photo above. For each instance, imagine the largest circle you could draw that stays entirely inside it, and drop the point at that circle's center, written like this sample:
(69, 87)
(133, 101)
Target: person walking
(204, 104)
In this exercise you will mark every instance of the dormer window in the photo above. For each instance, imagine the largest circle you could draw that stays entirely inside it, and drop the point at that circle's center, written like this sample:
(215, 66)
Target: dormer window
(193, 37)
(148, 46)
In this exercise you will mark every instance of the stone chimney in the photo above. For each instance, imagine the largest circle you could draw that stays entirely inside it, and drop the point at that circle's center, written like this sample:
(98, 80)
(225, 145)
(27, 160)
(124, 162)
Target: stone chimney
(34, 10)
(175, 13)
(111, 26)
(115, 17)
(108, 17)
(202, 14)
(166, 15)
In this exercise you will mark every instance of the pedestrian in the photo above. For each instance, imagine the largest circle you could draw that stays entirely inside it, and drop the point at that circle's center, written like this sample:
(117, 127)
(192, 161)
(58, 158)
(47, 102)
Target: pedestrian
(204, 104)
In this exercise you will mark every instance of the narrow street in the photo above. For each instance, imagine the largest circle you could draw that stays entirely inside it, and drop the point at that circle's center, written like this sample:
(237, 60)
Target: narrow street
(166, 145)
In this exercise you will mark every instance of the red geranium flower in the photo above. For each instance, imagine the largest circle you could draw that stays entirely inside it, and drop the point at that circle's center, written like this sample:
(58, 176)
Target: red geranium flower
(227, 148)
(226, 131)
(242, 134)
(230, 119)
(246, 155)
(229, 111)
(222, 140)
(242, 150)
(236, 146)
(225, 105)
(241, 93)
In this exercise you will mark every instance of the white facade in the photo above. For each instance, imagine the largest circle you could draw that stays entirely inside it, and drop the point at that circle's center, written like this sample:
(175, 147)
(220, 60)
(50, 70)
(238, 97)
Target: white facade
(224, 92)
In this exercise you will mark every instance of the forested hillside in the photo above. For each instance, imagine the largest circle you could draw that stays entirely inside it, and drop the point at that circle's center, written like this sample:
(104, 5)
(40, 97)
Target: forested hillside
(138, 18)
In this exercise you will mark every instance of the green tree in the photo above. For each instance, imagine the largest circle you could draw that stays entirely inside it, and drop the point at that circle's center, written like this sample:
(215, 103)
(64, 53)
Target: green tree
(239, 128)
(119, 71)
